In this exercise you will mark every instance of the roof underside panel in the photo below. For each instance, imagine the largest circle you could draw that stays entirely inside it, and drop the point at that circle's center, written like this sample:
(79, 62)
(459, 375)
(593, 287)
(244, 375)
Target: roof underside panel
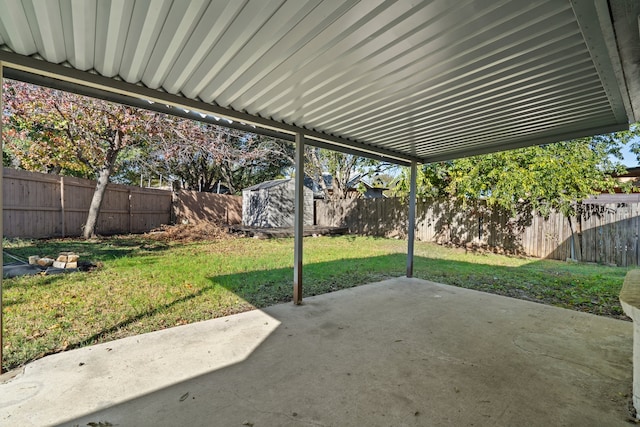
(428, 79)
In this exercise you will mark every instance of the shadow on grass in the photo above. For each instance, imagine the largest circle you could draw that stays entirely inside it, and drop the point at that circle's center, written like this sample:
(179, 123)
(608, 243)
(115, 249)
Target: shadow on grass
(104, 333)
(92, 254)
(578, 287)
(262, 288)
(583, 289)
(268, 287)
(89, 250)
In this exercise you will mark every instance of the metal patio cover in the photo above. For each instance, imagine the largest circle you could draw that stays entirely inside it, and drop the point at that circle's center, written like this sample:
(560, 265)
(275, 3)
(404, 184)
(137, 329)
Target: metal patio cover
(414, 80)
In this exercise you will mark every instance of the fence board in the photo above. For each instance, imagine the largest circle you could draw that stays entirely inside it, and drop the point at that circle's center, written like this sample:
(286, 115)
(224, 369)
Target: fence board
(605, 233)
(192, 206)
(39, 205)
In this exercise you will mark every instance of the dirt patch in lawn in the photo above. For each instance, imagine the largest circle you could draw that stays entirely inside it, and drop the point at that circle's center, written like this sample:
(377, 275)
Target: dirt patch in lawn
(196, 232)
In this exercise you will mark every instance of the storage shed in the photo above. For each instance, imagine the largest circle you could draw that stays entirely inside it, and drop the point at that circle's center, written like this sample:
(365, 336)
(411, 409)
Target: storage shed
(271, 204)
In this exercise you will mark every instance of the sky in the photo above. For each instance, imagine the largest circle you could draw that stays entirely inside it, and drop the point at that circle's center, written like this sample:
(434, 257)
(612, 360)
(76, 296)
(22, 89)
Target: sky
(629, 158)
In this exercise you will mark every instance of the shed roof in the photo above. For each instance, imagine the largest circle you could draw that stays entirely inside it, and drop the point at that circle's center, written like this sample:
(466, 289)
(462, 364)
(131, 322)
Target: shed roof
(404, 79)
(267, 184)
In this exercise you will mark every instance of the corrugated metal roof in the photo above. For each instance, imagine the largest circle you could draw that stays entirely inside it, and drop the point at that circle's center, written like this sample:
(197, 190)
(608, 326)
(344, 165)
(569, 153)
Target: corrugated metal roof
(427, 80)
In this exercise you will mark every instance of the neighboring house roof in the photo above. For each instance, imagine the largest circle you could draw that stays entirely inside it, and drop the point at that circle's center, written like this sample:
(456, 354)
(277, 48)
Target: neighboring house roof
(606, 198)
(352, 185)
(630, 173)
(361, 179)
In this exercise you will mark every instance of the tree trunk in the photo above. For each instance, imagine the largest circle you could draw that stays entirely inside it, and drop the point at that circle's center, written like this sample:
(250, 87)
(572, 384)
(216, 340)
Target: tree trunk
(572, 243)
(580, 213)
(98, 195)
(576, 237)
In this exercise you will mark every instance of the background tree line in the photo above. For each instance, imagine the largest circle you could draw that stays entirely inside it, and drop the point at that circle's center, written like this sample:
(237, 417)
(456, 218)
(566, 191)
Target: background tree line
(532, 179)
(51, 131)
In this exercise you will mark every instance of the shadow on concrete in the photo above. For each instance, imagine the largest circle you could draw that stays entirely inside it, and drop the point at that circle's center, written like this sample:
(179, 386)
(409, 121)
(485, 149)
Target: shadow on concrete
(397, 352)
(260, 288)
(263, 288)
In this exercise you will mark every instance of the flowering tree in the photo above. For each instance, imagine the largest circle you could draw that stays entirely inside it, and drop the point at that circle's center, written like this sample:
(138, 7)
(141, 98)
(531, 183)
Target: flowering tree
(202, 155)
(50, 131)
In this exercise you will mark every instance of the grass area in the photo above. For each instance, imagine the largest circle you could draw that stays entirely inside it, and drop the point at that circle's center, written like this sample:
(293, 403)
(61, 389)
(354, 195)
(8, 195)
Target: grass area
(144, 285)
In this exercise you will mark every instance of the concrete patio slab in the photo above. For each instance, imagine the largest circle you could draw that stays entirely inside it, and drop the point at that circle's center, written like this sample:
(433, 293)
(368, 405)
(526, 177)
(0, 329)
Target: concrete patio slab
(403, 352)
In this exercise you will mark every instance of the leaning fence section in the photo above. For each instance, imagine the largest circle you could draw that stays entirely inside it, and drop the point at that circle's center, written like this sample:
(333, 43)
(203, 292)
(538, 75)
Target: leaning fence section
(600, 233)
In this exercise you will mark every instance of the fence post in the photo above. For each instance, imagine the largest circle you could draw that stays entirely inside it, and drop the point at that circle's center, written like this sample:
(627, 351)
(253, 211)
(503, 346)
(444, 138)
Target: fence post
(62, 211)
(173, 207)
(130, 211)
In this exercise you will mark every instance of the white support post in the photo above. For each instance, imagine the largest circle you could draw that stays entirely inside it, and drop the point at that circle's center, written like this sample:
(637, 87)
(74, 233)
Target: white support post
(1, 215)
(298, 220)
(412, 219)
(630, 302)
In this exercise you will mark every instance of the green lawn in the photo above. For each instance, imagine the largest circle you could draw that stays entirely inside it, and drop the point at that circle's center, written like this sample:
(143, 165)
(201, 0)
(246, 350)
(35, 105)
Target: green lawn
(143, 285)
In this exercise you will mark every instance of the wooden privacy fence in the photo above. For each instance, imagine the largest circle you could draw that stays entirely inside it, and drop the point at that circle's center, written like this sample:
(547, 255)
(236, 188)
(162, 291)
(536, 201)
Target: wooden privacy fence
(192, 206)
(39, 205)
(601, 233)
